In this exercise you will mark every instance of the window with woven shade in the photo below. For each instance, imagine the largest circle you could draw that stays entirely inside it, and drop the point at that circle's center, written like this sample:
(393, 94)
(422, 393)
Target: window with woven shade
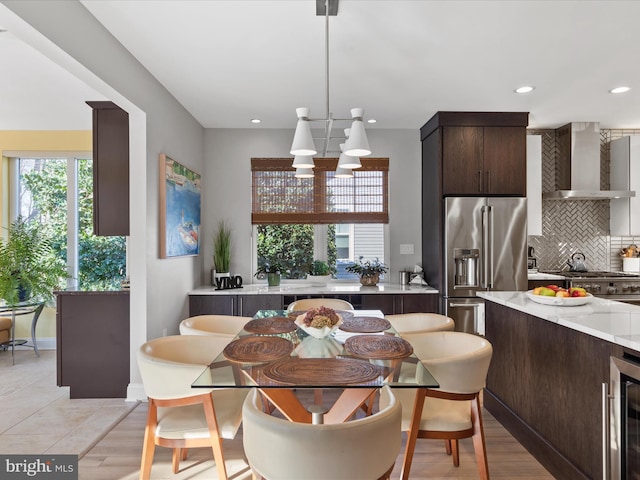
(281, 198)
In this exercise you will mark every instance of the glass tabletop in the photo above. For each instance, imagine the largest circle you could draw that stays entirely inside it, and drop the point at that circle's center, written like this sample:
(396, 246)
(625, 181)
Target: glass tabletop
(20, 308)
(292, 358)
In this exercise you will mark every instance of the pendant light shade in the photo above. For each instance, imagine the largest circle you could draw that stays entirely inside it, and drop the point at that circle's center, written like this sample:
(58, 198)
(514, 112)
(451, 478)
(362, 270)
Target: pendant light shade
(303, 161)
(302, 139)
(346, 161)
(304, 173)
(343, 173)
(357, 144)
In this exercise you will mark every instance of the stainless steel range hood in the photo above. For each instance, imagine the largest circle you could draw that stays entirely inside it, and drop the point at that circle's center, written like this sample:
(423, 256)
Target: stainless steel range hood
(578, 165)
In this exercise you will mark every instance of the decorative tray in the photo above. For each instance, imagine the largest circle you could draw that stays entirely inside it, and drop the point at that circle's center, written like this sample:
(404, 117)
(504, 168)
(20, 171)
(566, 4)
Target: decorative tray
(270, 325)
(365, 325)
(257, 349)
(378, 347)
(321, 371)
(559, 301)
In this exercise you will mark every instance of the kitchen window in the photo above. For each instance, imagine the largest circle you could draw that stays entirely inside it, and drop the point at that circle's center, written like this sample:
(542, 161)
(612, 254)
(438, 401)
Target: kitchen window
(324, 217)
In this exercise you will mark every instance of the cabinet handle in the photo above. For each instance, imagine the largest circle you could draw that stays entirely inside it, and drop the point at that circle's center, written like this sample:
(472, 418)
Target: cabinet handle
(480, 181)
(606, 453)
(488, 181)
(240, 307)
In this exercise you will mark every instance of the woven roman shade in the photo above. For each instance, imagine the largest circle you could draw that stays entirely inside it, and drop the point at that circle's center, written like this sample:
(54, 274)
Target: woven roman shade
(279, 197)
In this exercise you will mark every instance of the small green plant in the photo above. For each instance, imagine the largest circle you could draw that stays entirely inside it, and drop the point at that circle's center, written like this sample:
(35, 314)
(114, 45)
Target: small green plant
(320, 268)
(268, 267)
(222, 247)
(367, 268)
(28, 265)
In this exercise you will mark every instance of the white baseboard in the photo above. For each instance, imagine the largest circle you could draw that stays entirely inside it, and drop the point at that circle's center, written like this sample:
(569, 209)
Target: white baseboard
(136, 393)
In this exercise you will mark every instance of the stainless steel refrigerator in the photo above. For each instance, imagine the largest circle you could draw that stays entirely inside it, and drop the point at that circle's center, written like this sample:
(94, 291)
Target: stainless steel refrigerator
(485, 248)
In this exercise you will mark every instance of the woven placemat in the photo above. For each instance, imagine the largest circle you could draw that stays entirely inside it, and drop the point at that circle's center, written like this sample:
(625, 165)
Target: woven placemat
(270, 325)
(321, 371)
(365, 325)
(257, 349)
(379, 347)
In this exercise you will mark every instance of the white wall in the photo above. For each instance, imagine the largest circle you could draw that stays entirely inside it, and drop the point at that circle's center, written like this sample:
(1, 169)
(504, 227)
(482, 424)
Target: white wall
(227, 189)
(68, 34)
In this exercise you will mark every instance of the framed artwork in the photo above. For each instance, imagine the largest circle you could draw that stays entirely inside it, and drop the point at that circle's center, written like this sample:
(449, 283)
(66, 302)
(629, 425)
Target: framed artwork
(179, 209)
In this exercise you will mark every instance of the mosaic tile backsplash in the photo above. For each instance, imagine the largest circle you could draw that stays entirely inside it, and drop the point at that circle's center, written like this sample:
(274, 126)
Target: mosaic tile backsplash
(570, 226)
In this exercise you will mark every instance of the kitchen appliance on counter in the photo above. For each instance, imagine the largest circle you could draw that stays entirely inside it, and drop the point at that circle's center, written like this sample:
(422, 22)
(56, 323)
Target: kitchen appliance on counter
(623, 287)
(532, 261)
(485, 245)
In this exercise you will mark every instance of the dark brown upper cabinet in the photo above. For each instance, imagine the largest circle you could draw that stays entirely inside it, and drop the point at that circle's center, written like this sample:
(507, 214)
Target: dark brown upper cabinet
(478, 153)
(110, 169)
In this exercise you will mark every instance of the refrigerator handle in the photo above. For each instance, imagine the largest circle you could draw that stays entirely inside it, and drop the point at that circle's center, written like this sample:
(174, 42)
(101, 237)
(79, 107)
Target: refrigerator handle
(485, 264)
(489, 258)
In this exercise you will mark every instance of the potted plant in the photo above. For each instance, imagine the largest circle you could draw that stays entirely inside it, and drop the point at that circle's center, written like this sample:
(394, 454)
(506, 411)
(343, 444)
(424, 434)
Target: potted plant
(320, 270)
(221, 250)
(368, 270)
(28, 266)
(272, 271)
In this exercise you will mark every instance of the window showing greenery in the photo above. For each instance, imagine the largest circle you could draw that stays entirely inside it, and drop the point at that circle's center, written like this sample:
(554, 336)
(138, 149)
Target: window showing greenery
(101, 261)
(292, 247)
(337, 220)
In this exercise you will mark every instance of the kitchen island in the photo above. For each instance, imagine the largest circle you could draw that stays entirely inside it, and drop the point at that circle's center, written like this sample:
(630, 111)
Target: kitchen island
(246, 301)
(547, 371)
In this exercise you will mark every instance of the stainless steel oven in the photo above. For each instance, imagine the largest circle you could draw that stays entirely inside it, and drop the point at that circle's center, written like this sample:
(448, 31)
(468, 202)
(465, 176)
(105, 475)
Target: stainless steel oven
(622, 287)
(621, 420)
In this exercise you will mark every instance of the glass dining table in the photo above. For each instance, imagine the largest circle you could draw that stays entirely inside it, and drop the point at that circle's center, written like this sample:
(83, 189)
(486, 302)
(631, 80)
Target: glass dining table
(281, 357)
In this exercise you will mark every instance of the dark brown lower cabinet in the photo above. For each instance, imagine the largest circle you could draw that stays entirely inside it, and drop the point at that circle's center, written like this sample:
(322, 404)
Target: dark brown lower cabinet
(92, 335)
(545, 386)
(248, 305)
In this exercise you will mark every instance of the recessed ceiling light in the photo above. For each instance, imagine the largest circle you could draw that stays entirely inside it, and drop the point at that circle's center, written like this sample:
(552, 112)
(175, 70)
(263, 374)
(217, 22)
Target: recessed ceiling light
(619, 90)
(525, 89)
(372, 120)
(256, 120)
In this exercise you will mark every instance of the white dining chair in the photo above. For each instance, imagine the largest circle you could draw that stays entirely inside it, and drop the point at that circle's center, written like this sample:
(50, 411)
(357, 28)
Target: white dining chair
(179, 416)
(411, 323)
(459, 362)
(365, 448)
(228, 325)
(307, 303)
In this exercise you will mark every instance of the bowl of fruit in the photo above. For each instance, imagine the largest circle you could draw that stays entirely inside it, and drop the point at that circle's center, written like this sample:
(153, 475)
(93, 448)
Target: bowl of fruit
(559, 296)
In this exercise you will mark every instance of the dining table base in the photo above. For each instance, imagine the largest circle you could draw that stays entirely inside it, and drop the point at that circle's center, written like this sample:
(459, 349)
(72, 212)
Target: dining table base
(347, 404)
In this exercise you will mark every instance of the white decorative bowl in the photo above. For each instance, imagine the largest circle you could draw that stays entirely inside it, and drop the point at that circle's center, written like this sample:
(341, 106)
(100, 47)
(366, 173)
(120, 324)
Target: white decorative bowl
(318, 348)
(317, 332)
(560, 301)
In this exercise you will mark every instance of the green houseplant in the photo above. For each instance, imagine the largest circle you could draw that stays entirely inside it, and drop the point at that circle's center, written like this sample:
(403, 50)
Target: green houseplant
(272, 271)
(222, 248)
(320, 270)
(368, 270)
(28, 266)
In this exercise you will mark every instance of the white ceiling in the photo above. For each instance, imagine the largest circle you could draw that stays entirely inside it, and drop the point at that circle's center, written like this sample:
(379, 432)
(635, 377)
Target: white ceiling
(228, 61)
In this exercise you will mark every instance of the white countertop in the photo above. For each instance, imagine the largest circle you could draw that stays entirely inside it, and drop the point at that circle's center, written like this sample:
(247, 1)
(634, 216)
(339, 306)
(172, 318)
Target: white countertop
(305, 288)
(615, 322)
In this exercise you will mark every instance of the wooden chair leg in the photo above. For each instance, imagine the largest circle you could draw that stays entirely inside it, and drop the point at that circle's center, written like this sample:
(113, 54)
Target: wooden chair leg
(216, 441)
(478, 439)
(455, 452)
(149, 445)
(175, 460)
(447, 446)
(412, 434)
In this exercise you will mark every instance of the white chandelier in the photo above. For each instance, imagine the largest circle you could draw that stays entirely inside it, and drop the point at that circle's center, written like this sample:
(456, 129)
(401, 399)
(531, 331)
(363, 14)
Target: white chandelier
(303, 146)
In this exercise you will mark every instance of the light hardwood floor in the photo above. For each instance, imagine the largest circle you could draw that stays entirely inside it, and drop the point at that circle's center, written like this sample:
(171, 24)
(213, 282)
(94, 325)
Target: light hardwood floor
(117, 457)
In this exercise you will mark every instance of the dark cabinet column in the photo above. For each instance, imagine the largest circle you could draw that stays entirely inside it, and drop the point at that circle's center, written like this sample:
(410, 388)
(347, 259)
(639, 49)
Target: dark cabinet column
(110, 169)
